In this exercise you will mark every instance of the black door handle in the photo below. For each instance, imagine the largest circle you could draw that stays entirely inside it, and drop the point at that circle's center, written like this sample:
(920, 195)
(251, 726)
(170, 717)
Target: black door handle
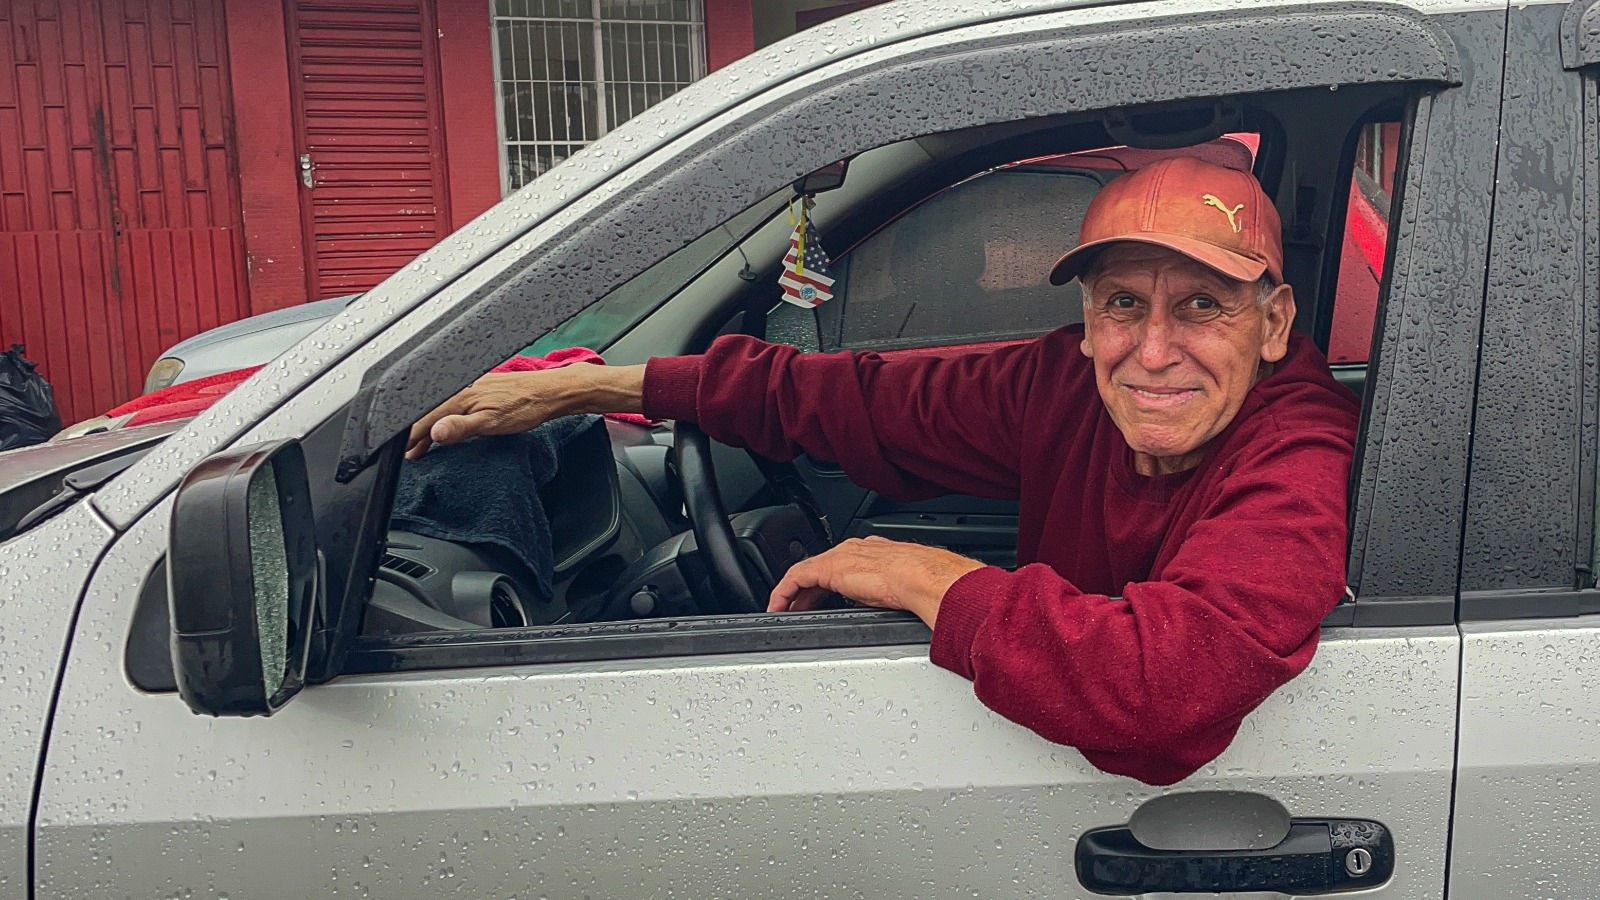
(1319, 856)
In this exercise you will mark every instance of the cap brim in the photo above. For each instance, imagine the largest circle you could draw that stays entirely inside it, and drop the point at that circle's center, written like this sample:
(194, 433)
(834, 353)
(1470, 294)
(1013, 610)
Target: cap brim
(1233, 265)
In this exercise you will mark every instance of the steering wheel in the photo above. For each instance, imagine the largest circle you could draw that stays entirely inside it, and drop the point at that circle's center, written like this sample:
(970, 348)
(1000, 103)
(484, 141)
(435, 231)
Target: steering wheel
(733, 577)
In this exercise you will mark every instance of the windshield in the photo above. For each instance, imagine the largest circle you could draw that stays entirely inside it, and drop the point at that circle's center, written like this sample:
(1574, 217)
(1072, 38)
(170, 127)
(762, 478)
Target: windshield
(601, 324)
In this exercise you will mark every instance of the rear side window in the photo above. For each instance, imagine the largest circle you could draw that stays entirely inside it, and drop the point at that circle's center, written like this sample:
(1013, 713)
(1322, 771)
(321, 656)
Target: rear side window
(1366, 238)
(970, 265)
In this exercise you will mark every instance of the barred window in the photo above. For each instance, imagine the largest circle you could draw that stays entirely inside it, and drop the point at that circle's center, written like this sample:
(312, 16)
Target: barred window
(568, 71)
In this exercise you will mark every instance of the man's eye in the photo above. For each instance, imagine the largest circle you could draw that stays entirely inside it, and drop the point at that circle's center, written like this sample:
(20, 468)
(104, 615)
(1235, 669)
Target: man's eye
(1122, 302)
(1200, 307)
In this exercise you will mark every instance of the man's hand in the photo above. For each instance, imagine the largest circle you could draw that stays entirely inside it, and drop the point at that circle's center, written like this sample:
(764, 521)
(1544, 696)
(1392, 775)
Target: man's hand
(513, 402)
(877, 572)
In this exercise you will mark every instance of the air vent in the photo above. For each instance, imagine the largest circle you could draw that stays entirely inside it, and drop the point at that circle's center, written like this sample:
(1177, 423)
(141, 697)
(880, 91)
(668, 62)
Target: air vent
(407, 567)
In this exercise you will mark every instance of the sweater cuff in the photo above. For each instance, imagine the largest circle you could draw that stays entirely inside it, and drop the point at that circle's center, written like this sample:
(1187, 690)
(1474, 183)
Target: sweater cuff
(671, 386)
(961, 613)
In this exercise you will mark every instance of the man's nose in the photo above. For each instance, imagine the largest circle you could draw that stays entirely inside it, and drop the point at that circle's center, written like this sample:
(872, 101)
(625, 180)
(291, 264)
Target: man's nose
(1158, 342)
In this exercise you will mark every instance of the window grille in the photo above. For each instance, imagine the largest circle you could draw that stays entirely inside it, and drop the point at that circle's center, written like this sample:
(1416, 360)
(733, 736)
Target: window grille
(568, 71)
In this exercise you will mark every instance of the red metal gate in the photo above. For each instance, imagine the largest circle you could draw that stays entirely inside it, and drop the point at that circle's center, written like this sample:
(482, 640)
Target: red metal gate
(119, 220)
(367, 108)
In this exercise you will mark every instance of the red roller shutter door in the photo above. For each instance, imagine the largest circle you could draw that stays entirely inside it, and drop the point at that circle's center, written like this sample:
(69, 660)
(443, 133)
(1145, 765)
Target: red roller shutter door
(367, 108)
(119, 220)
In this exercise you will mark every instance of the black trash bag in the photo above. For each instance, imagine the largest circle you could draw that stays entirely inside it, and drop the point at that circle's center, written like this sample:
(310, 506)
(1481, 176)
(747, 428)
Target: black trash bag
(27, 402)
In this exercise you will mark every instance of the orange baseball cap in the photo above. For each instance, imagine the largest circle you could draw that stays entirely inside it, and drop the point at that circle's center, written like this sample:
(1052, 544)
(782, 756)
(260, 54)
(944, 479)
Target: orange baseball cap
(1215, 216)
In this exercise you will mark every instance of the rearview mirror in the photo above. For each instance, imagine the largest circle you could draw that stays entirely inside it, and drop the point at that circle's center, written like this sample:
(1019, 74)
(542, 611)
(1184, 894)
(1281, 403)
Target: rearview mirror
(243, 578)
(826, 178)
(1171, 128)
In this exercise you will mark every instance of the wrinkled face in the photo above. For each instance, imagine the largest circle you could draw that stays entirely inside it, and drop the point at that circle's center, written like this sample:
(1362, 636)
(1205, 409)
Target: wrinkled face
(1176, 347)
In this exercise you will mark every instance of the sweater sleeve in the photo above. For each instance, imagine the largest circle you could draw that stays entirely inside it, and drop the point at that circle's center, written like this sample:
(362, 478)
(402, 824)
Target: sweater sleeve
(1155, 683)
(906, 427)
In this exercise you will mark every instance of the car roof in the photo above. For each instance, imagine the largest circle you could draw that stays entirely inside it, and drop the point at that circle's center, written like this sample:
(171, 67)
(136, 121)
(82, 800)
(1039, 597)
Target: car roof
(278, 318)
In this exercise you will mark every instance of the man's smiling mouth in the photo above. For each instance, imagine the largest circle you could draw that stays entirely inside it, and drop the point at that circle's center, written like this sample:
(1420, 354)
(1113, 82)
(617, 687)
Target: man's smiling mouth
(1160, 396)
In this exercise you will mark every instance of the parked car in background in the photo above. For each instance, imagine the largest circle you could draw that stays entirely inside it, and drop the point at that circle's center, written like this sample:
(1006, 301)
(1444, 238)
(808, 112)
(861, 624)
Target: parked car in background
(237, 345)
(384, 715)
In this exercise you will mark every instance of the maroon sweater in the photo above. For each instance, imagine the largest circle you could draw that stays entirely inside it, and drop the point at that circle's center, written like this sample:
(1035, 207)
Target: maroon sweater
(1150, 614)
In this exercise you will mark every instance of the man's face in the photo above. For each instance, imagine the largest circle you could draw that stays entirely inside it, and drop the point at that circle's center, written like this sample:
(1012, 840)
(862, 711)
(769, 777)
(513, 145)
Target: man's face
(1176, 347)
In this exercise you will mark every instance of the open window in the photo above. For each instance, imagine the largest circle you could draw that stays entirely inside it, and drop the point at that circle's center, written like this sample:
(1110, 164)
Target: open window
(948, 253)
(1016, 181)
(600, 503)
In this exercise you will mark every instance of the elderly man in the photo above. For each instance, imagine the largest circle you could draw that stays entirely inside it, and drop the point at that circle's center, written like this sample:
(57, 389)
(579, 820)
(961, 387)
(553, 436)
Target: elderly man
(1180, 461)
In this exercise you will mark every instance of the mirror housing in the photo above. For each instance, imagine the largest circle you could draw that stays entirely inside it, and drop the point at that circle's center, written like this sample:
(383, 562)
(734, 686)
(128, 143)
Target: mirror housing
(244, 580)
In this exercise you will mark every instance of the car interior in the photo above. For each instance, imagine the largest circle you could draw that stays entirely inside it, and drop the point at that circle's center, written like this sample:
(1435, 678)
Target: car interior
(940, 245)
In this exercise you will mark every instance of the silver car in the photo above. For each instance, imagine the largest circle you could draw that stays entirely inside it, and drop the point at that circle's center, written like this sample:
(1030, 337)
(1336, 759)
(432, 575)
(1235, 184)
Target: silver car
(228, 672)
(247, 342)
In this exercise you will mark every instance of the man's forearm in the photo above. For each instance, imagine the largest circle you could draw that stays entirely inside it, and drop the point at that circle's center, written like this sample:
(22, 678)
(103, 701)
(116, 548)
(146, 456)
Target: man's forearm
(601, 389)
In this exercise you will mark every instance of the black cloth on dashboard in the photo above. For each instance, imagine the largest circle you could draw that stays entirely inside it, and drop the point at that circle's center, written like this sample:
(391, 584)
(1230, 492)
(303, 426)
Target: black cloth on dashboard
(486, 491)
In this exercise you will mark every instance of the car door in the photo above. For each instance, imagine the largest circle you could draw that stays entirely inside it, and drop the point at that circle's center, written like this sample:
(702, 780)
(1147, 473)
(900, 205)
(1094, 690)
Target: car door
(1529, 760)
(763, 755)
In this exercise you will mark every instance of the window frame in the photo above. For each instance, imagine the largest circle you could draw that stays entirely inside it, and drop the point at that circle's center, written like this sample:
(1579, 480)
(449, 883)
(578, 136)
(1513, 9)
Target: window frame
(689, 636)
(448, 353)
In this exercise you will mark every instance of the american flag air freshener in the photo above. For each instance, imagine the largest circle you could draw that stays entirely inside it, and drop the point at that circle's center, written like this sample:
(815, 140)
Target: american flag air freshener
(805, 279)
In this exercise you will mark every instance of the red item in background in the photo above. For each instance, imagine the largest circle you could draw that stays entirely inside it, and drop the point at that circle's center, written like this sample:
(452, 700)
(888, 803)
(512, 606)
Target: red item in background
(566, 357)
(182, 401)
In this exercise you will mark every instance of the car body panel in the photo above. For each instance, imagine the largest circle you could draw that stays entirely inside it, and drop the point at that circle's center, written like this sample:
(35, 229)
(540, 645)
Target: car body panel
(1528, 776)
(26, 464)
(1521, 517)
(1528, 781)
(44, 572)
(716, 776)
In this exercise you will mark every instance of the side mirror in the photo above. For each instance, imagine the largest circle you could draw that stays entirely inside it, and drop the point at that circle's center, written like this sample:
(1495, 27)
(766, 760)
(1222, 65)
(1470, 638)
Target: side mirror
(244, 580)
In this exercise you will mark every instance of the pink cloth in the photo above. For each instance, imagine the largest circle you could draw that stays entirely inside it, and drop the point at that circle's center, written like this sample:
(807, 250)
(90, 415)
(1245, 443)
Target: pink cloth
(566, 357)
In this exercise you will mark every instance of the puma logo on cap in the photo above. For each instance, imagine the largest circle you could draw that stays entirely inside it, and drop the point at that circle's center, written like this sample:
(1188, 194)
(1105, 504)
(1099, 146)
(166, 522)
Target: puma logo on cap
(1211, 200)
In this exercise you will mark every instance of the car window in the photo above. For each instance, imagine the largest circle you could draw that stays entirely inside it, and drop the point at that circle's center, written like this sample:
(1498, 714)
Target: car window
(1366, 236)
(965, 264)
(599, 552)
(969, 265)
(601, 324)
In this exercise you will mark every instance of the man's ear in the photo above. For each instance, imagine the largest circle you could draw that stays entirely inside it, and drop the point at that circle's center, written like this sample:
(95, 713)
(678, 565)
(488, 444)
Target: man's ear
(1279, 321)
(1087, 345)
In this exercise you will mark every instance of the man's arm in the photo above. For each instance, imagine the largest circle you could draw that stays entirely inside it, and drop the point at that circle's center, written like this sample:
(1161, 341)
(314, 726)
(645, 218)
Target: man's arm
(1154, 684)
(514, 402)
(907, 427)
